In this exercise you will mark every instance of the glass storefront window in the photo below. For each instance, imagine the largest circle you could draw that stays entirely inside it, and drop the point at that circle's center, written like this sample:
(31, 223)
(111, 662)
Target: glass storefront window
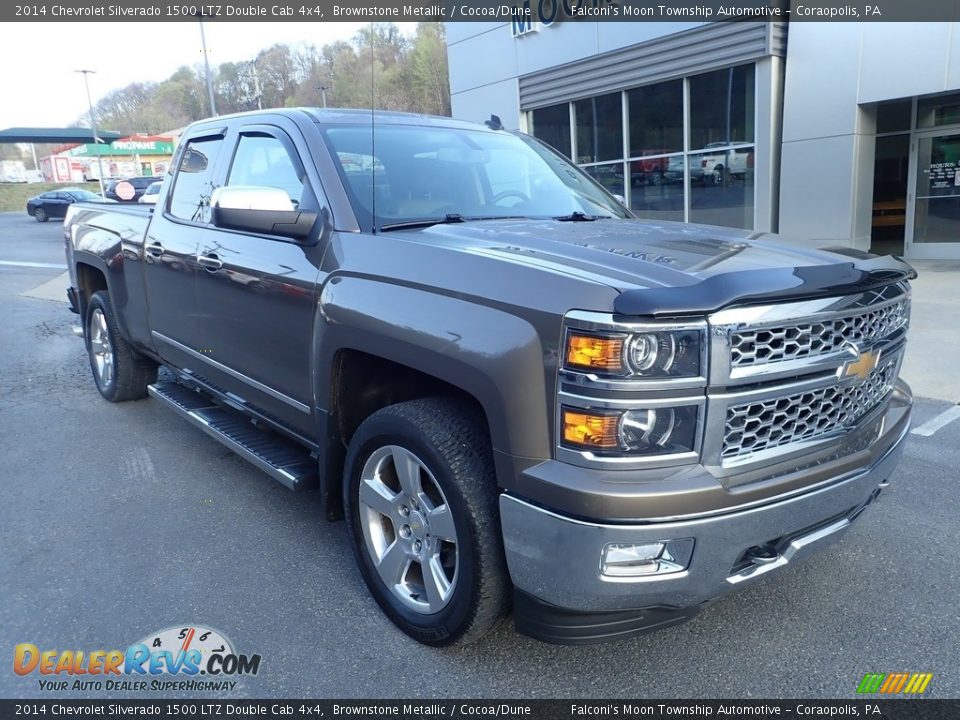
(610, 176)
(894, 116)
(552, 126)
(718, 154)
(721, 188)
(937, 212)
(599, 123)
(656, 188)
(656, 119)
(937, 111)
(722, 107)
(890, 173)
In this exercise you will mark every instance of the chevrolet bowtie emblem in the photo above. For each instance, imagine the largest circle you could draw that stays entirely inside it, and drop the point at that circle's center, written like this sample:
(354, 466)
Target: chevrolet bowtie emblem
(861, 366)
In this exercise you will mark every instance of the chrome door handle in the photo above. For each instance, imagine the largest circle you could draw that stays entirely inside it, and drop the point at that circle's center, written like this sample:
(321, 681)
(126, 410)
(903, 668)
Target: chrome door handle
(154, 249)
(210, 262)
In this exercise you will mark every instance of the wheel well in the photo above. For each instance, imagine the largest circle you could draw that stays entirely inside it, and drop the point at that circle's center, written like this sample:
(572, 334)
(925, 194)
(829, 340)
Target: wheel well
(362, 384)
(89, 281)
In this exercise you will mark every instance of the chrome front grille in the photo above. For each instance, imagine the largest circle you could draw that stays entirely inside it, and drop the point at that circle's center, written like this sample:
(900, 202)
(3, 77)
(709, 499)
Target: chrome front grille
(786, 377)
(755, 427)
(754, 346)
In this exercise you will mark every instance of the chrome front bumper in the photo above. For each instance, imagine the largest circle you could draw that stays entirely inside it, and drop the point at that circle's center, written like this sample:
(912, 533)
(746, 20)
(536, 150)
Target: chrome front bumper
(555, 559)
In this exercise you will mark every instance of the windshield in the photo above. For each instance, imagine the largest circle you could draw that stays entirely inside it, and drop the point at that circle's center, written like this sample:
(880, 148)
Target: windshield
(409, 173)
(84, 195)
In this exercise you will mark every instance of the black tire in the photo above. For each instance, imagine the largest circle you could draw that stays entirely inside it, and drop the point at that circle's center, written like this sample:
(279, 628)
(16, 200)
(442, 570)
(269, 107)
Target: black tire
(450, 437)
(40, 215)
(131, 372)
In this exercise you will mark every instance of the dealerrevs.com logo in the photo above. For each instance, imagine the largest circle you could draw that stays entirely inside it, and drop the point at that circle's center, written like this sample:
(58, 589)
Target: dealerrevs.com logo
(172, 659)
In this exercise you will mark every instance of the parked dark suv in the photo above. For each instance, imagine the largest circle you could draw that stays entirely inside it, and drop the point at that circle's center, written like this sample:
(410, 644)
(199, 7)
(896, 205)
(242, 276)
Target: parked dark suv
(140, 184)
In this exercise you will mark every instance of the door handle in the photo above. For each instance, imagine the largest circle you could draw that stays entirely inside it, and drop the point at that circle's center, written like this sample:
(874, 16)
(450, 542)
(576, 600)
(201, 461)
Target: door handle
(210, 262)
(154, 249)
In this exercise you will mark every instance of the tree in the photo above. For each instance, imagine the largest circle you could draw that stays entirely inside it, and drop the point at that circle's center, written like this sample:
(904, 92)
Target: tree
(429, 75)
(11, 151)
(378, 68)
(235, 88)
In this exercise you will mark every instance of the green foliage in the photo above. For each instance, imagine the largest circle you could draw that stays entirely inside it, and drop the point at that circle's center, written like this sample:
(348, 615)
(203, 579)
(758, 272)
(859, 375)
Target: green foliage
(379, 68)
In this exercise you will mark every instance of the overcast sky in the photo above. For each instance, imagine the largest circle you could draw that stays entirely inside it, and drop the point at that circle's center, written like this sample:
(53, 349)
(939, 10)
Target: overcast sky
(38, 87)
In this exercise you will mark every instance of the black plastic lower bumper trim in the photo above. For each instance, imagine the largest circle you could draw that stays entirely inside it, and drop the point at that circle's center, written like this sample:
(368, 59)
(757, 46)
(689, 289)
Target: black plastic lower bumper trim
(563, 626)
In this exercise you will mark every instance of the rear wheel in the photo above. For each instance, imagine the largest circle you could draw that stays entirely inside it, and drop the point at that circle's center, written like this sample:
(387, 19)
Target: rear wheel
(420, 499)
(40, 215)
(119, 372)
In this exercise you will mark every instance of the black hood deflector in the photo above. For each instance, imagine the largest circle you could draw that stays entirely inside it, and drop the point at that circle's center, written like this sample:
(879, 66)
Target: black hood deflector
(752, 287)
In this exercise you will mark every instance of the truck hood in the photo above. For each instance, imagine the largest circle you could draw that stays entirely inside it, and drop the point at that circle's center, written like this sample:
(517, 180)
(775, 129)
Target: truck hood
(674, 268)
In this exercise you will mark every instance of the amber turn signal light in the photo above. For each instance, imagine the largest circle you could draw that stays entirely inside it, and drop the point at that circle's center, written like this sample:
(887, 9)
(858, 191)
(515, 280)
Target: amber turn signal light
(589, 431)
(596, 352)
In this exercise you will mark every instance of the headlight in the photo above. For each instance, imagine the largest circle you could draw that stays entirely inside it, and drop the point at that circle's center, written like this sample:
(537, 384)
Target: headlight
(648, 431)
(647, 354)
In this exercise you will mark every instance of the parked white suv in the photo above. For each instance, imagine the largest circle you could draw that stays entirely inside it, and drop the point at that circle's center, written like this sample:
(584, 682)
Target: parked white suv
(726, 164)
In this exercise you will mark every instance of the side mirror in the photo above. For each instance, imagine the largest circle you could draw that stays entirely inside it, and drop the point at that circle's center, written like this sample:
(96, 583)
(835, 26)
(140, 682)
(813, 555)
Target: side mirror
(260, 210)
(621, 199)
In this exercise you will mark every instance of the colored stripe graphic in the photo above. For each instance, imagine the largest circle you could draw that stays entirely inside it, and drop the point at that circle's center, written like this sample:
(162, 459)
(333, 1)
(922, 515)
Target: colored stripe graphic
(901, 681)
(871, 682)
(889, 682)
(914, 683)
(894, 683)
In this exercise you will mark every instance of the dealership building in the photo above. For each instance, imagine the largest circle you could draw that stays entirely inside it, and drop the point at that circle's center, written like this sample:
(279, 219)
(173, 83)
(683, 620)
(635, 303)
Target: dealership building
(846, 132)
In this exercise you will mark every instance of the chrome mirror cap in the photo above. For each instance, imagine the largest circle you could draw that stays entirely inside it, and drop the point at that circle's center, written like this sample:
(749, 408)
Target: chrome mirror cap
(251, 197)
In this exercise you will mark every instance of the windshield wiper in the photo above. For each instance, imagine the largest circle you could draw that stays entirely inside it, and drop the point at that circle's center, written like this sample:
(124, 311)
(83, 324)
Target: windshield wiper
(447, 219)
(577, 216)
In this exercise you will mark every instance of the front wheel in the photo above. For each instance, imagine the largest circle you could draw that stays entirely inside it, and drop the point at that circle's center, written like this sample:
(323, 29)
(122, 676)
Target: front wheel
(118, 370)
(420, 498)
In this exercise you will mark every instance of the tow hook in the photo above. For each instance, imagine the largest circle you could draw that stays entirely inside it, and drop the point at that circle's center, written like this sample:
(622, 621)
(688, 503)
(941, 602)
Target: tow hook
(763, 554)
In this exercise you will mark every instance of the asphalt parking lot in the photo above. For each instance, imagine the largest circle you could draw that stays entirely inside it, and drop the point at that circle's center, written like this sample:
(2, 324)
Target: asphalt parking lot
(120, 520)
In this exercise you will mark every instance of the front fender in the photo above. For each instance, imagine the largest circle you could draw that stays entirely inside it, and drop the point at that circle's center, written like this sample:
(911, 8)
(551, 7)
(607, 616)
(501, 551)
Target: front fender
(491, 354)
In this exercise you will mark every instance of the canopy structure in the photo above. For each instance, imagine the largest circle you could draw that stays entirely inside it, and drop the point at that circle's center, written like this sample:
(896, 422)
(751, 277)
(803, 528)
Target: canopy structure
(57, 135)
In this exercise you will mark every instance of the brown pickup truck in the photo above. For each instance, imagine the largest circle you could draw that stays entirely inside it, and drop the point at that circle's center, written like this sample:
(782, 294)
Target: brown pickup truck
(515, 392)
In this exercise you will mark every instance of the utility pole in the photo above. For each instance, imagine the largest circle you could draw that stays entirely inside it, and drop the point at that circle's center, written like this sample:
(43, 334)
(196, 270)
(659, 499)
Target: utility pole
(93, 126)
(256, 84)
(206, 63)
(323, 89)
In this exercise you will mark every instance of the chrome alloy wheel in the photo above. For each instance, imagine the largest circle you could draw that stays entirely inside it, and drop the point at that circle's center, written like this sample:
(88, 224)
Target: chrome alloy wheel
(100, 347)
(408, 529)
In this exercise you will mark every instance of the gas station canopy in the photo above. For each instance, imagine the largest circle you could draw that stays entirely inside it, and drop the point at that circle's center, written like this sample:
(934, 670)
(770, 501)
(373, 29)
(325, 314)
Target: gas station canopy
(57, 135)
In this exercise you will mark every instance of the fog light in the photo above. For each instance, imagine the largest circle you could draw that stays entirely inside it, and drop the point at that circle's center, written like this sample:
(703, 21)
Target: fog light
(637, 560)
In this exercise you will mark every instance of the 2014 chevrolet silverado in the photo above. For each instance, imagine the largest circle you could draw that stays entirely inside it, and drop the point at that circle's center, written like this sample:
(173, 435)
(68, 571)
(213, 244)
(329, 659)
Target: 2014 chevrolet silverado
(513, 390)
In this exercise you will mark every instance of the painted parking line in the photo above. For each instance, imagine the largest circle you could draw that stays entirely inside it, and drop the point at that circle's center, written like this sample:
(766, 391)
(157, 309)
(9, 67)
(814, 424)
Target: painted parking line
(16, 263)
(940, 421)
